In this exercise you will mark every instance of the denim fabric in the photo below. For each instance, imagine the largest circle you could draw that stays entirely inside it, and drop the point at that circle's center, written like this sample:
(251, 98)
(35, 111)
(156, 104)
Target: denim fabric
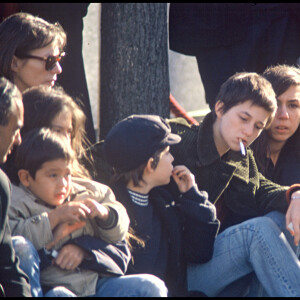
(256, 245)
(30, 262)
(60, 291)
(279, 219)
(255, 288)
(141, 285)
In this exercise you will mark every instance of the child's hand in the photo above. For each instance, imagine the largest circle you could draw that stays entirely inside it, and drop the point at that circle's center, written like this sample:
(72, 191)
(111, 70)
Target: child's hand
(63, 230)
(70, 212)
(69, 257)
(183, 178)
(96, 209)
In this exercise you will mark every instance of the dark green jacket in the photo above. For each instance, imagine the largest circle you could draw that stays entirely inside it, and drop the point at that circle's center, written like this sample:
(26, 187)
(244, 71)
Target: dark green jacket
(232, 178)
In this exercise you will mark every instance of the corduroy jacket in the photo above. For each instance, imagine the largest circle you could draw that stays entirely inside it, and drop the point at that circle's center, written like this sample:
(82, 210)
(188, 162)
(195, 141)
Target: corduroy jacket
(233, 178)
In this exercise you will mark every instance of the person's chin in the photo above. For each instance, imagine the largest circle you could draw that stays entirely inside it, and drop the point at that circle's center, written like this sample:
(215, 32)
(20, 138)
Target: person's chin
(165, 182)
(50, 84)
(58, 200)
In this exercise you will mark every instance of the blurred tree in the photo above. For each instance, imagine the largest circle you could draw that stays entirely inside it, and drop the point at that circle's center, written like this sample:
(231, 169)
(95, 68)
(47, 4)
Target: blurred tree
(134, 62)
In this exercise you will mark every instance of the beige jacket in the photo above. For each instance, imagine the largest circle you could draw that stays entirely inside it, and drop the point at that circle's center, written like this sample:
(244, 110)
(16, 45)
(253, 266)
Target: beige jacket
(28, 217)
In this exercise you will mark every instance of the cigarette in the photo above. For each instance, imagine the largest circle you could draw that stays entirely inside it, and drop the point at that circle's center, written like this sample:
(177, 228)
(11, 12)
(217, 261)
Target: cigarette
(242, 147)
(291, 226)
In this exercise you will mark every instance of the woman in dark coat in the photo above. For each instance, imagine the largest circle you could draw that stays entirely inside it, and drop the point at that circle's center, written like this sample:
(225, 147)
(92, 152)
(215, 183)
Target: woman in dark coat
(277, 150)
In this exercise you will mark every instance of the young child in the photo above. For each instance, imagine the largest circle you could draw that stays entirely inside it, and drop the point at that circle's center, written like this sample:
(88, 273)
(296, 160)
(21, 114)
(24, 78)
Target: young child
(217, 153)
(49, 199)
(176, 229)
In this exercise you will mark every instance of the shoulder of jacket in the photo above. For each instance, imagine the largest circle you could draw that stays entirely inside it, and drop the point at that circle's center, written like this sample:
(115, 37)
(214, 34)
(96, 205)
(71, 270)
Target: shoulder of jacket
(90, 185)
(178, 124)
(20, 195)
(17, 190)
(178, 121)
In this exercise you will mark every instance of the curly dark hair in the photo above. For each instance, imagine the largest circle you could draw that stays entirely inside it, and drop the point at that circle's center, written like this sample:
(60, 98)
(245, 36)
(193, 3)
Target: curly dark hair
(8, 92)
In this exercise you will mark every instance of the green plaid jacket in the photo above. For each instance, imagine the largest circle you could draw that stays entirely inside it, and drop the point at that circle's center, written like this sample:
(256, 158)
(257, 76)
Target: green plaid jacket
(235, 179)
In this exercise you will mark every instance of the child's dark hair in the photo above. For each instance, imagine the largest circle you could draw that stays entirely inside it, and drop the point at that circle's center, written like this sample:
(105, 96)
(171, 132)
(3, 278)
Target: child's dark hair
(136, 175)
(40, 146)
(244, 86)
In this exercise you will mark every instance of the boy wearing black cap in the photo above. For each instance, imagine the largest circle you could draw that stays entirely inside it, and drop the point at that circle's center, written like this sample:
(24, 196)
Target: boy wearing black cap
(176, 229)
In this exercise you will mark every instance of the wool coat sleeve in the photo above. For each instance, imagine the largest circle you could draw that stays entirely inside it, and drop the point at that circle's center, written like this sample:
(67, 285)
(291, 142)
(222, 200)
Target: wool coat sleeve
(106, 259)
(271, 196)
(200, 225)
(103, 194)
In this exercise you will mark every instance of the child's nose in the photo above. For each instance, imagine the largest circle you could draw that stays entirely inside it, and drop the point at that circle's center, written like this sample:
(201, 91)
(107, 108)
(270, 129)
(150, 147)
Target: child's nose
(57, 69)
(172, 158)
(18, 139)
(63, 182)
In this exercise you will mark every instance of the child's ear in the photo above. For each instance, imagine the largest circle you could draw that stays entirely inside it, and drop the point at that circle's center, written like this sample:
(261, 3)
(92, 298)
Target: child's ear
(15, 64)
(219, 108)
(149, 166)
(24, 177)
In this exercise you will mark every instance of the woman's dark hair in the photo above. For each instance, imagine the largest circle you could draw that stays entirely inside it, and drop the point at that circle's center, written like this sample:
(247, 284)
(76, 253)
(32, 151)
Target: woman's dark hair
(282, 77)
(22, 32)
(8, 93)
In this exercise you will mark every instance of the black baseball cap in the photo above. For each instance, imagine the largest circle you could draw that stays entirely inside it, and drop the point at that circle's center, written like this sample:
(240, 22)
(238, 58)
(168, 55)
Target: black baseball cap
(132, 141)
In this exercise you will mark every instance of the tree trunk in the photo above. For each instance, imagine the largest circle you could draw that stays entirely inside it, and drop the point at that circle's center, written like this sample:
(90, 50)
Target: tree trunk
(134, 62)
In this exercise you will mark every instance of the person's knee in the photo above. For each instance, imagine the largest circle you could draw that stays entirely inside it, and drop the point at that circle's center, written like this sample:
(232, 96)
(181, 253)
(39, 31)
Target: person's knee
(60, 291)
(278, 218)
(263, 224)
(24, 249)
(153, 286)
(266, 221)
(27, 255)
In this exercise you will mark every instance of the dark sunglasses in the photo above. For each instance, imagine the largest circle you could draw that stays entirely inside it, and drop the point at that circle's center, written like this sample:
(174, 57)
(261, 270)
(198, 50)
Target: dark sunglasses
(50, 60)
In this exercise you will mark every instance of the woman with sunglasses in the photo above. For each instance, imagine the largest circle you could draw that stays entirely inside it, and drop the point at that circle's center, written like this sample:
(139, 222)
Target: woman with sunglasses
(31, 50)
